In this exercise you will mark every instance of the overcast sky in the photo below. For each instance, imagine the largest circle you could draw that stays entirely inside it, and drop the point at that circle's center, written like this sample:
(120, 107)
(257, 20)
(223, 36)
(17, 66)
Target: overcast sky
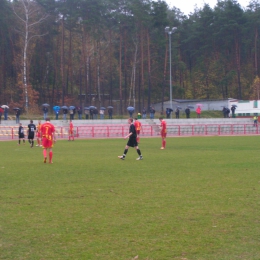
(188, 6)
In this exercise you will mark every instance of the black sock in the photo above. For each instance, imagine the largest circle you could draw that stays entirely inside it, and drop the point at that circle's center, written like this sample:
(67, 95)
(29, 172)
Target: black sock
(125, 152)
(139, 152)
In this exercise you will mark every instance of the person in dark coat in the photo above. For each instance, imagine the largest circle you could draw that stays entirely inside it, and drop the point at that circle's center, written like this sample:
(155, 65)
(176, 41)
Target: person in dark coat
(17, 115)
(91, 113)
(79, 112)
(65, 112)
(6, 113)
(177, 112)
(45, 112)
(168, 113)
(187, 112)
(110, 113)
(233, 109)
(95, 113)
(144, 113)
(1, 113)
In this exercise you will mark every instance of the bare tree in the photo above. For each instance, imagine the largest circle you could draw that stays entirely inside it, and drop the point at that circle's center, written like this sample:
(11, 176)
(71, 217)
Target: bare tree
(30, 16)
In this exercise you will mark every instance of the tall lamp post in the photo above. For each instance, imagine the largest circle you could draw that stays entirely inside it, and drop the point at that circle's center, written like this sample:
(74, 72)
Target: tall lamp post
(170, 31)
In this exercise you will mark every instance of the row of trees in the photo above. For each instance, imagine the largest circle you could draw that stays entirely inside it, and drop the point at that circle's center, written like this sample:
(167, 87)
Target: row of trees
(100, 52)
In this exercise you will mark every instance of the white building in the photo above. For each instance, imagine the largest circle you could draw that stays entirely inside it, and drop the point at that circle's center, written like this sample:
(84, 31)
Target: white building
(246, 107)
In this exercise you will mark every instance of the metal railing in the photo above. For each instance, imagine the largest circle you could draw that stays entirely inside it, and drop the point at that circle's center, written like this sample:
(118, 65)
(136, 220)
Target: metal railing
(114, 131)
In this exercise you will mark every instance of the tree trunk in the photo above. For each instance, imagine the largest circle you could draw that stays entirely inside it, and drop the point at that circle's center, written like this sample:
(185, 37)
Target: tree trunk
(256, 37)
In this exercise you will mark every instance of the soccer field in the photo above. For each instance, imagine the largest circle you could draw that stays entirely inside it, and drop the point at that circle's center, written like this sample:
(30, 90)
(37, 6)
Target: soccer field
(197, 199)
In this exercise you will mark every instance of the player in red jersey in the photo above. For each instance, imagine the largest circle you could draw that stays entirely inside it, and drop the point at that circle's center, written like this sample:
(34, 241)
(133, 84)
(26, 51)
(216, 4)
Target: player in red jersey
(48, 138)
(138, 127)
(38, 133)
(163, 132)
(71, 133)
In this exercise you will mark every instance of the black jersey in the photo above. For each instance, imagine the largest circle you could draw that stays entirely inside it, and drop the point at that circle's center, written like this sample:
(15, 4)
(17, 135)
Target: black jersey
(21, 132)
(31, 128)
(132, 130)
(132, 138)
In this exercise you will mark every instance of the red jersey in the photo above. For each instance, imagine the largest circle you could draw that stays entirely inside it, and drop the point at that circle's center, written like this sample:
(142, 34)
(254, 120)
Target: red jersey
(47, 130)
(163, 127)
(39, 130)
(137, 125)
(71, 126)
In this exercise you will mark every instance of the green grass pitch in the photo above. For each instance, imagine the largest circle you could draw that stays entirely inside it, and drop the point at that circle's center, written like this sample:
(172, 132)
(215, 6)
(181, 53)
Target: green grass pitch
(198, 199)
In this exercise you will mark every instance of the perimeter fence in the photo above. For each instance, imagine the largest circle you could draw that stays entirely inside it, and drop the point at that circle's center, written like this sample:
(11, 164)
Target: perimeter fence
(119, 130)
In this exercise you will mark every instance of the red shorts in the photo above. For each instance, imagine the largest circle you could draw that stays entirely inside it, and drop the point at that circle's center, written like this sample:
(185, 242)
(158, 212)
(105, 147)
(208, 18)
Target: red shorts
(47, 143)
(138, 132)
(71, 131)
(163, 135)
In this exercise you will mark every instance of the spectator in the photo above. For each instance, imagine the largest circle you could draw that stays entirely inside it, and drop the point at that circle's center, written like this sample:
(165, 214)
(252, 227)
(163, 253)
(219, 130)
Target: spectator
(6, 113)
(177, 113)
(144, 113)
(198, 111)
(224, 112)
(187, 112)
(45, 112)
(95, 113)
(71, 114)
(102, 113)
(152, 112)
(86, 111)
(227, 112)
(79, 112)
(131, 113)
(57, 114)
(17, 115)
(1, 113)
(91, 113)
(168, 112)
(110, 113)
(233, 109)
(65, 112)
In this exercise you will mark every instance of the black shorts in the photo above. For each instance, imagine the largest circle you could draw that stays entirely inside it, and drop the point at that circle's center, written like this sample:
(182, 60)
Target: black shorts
(21, 136)
(132, 142)
(31, 136)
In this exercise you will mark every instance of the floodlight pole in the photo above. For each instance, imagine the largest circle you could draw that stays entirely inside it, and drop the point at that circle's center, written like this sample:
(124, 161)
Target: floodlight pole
(167, 30)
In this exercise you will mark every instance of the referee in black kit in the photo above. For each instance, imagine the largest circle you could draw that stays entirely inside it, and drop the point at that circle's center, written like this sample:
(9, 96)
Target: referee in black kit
(132, 142)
